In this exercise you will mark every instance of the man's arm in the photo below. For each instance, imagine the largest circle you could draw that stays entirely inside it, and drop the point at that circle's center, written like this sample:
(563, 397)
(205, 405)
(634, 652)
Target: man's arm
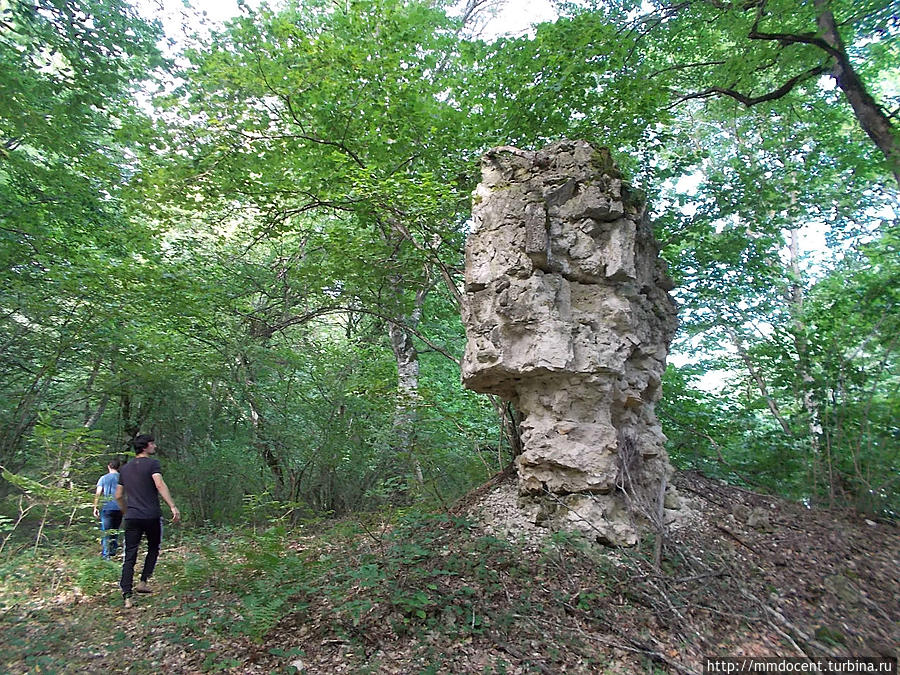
(164, 493)
(120, 498)
(97, 500)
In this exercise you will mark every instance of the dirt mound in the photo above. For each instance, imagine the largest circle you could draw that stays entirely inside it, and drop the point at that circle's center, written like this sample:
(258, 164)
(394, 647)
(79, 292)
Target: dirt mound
(756, 575)
(742, 574)
(824, 582)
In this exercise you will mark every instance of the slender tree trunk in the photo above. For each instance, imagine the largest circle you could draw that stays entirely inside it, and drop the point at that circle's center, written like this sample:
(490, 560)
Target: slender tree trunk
(91, 417)
(260, 443)
(407, 358)
(759, 380)
(26, 411)
(807, 381)
(133, 420)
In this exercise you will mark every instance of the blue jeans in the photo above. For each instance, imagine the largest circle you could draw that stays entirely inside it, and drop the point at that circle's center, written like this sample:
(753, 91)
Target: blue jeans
(110, 520)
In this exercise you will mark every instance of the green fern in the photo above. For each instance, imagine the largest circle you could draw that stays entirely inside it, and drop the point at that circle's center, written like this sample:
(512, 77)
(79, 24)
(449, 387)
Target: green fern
(93, 573)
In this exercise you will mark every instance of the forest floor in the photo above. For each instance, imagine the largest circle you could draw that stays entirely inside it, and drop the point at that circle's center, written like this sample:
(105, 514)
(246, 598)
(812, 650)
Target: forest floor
(451, 594)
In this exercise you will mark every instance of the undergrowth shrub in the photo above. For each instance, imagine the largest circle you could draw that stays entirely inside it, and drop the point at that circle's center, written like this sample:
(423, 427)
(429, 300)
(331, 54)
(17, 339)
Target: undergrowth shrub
(430, 572)
(94, 573)
(421, 575)
(256, 568)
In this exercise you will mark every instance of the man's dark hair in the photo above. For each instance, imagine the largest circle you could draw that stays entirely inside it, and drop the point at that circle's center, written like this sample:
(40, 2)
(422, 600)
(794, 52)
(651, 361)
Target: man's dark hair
(141, 442)
(116, 462)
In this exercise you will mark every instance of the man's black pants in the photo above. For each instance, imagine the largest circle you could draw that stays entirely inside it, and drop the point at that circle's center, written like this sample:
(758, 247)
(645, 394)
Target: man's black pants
(135, 528)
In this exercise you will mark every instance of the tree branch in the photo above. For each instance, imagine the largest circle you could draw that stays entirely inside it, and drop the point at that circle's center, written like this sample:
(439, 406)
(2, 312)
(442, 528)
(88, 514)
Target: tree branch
(749, 101)
(335, 309)
(788, 38)
(321, 141)
(685, 66)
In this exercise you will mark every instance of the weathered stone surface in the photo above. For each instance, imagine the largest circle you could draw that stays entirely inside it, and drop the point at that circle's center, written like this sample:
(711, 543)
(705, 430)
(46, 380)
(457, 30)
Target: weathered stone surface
(567, 314)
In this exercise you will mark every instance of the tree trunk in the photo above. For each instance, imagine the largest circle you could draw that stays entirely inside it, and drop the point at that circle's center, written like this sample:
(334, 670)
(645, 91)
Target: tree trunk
(872, 118)
(407, 358)
(759, 380)
(25, 414)
(262, 446)
(90, 419)
(89, 423)
(801, 346)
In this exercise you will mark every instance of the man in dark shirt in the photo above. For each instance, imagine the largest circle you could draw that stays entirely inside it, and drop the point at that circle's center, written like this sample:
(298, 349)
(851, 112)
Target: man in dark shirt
(141, 481)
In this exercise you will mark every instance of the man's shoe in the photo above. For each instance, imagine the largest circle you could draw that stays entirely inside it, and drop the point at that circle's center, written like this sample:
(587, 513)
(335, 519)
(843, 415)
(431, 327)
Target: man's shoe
(128, 603)
(143, 587)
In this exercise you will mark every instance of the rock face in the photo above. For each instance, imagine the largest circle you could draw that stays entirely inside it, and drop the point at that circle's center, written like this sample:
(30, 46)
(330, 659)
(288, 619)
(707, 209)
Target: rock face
(567, 315)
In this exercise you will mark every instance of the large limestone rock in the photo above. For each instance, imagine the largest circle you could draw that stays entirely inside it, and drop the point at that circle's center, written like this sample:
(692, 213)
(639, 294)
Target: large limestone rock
(567, 315)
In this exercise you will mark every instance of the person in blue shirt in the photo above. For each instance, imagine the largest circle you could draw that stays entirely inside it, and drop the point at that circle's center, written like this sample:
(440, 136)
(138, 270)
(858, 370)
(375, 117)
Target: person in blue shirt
(110, 514)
